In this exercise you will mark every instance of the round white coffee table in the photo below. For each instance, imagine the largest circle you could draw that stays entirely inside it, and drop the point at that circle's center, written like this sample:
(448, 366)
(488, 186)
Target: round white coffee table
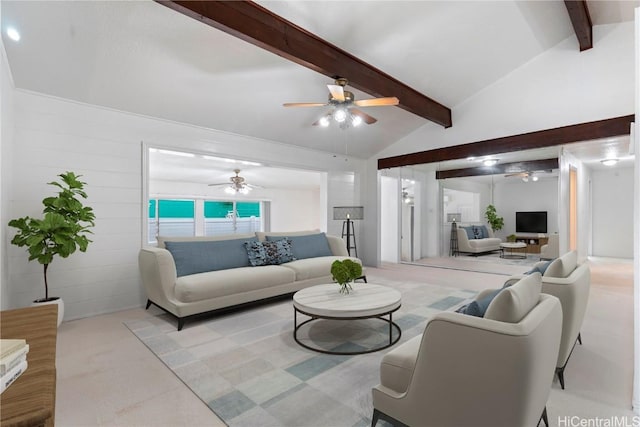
(365, 301)
(511, 246)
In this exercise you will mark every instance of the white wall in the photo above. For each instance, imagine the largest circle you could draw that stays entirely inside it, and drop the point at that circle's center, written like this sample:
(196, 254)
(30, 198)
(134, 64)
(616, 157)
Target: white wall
(513, 195)
(613, 216)
(390, 219)
(6, 138)
(105, 146)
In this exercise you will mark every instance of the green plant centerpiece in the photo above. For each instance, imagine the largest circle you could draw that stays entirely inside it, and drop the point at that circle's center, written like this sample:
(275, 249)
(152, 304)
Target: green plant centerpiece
(344, 272)
(62, 229)
(495, 222)
(511, 238)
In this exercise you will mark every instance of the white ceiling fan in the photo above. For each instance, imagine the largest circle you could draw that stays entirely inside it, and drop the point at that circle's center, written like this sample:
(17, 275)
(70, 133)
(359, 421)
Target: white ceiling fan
(236, 184)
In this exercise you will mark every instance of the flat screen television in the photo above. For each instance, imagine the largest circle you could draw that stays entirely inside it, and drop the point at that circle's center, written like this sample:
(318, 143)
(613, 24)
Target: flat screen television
(531, 222)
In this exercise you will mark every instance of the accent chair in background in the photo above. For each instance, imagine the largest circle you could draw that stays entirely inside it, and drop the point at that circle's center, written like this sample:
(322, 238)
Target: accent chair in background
(552, 249)
(570, 282)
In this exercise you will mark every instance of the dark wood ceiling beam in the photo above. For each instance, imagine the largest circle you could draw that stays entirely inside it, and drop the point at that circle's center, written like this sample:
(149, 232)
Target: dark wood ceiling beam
(506, 168)
(581, 21)
(545, 138)
(257, 25)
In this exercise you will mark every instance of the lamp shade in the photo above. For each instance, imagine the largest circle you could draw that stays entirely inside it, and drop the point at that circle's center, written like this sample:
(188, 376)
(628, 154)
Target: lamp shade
(454, 217)
(348, 212)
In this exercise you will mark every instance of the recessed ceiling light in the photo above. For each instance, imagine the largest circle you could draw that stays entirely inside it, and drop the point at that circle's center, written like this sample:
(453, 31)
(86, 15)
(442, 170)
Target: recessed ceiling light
(490, 162)
(609, 162)
(534, 178)
(13, 34)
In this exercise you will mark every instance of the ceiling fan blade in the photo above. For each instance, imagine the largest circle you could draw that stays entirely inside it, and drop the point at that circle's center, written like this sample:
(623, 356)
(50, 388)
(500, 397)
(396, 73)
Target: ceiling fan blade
(337, 92)
(219, 183)
(364, 116)
(377, 102)
(516, 174)
(303, 104)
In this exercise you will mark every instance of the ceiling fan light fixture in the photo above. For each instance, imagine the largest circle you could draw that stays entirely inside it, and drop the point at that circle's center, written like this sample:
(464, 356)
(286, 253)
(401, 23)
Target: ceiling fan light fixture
(324, 121)
(356, 120)
(534, 178)
(340, 115)
(229, 190)
(525, 178)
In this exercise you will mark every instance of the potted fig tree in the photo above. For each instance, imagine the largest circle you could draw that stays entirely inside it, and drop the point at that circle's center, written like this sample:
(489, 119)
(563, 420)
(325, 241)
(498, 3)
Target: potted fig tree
(60, 232)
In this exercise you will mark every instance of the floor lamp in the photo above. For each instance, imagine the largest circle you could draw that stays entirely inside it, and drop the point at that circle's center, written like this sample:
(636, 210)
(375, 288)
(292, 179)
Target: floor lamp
(348, 214)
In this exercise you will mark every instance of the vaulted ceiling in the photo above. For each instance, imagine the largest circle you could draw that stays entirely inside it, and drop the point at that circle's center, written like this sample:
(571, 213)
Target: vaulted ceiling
(145, 58)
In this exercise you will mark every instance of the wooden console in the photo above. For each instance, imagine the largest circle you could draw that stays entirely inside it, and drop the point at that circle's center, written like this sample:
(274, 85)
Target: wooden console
(532, 248)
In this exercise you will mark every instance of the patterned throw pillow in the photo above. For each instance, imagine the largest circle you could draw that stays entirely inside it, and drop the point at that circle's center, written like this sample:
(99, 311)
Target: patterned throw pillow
(269, 253)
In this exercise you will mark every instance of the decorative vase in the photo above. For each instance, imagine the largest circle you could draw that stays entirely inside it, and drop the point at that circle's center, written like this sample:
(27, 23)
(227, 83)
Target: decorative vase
(345, 288)
(53, 300)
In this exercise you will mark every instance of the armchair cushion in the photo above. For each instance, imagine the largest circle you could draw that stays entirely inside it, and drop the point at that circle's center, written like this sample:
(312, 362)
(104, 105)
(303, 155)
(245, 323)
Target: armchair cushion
(396, 368)
(513, 303)
(563, 266)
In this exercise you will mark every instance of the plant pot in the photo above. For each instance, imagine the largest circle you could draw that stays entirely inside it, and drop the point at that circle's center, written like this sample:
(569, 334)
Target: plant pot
(53, 300)
(345, 288)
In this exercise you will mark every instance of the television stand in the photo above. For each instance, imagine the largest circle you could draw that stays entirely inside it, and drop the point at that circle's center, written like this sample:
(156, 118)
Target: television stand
(532, 248)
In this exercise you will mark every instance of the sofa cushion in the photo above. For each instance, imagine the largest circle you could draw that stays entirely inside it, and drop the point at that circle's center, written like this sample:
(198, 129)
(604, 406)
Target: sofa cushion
(479, 231)
(311, 268)
(269, 253)
(216, 284)
(308, 246)
(514, 302)
(562, 267)
(193, 257)
(469, 231)
(490, 243)
(262, 235)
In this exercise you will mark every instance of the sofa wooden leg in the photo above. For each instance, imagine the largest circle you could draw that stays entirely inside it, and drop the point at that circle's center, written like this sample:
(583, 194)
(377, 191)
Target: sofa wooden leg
(579, 338)
(148, 304)
(180, 323)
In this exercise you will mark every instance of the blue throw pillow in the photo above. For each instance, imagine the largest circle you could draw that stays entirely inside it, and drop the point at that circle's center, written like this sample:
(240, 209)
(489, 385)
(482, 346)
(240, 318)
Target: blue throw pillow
(269, 253)
(479, 307)
(308, 246)
(469, 231)
(484, 233)
(540, 268)
(201, 256)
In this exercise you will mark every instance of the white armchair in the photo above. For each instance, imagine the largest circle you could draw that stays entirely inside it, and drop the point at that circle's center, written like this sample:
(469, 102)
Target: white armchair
(570, 283)
(552, 249)
(471, 371)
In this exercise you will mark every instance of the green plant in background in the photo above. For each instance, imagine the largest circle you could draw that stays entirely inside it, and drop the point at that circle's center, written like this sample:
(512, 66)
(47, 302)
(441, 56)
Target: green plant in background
(63, 228)
(344, 272)
(511, 238)
(495, 222)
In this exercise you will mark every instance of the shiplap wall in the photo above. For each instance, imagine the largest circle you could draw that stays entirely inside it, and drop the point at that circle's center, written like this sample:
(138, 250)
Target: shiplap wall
(105, 146)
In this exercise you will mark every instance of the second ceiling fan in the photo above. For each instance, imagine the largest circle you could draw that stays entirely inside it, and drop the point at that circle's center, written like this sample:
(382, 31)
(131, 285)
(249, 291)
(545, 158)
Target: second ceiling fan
(344, 103)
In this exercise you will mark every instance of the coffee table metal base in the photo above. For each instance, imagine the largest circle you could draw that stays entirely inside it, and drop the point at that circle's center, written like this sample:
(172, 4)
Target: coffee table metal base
(390, 321)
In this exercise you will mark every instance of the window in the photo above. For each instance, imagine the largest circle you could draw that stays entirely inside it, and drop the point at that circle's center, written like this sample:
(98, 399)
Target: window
(465, 205)
(231, 217)
(171, 218)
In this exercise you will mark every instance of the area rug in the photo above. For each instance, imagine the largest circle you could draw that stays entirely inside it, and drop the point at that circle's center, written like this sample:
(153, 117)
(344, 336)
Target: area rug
(247, 368)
